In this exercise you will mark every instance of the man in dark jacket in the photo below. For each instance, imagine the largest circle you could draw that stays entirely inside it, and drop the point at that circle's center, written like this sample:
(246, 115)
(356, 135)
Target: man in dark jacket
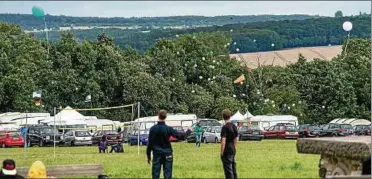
(161, 147)
(229, 138)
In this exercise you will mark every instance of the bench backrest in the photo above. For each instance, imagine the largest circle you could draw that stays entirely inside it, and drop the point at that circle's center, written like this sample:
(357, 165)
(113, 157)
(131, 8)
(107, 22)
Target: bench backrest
(68, 170)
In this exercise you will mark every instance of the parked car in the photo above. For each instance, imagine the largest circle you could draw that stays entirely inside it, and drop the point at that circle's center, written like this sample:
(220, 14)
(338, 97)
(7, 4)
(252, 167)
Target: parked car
(250, 133)
(362, 130)
(143, 137)
(180, 131)
(77, 137)
(281, 132)
(125, 134)
(112, 136)
(308, 130)
(11, 138)
(332, 129)
(204, 123)
(212, 134)
(348, 129)
(43, 136)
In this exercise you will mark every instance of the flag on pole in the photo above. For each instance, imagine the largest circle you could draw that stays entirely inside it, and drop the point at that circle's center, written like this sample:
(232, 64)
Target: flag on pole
(37, 97)
(88, 98)
(240, 79)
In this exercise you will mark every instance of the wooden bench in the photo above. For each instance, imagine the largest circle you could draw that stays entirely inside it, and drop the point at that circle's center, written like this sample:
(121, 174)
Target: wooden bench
(68, 170)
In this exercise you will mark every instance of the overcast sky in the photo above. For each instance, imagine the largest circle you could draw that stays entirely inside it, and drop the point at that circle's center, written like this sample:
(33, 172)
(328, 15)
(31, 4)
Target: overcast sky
(173, 8)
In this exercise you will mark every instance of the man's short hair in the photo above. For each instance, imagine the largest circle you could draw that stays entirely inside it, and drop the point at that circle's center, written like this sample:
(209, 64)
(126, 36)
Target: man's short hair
(162, 114)
(226, 114)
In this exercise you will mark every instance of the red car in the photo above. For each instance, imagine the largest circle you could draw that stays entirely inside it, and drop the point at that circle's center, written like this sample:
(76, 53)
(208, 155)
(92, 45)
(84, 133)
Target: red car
(281, 132)
(11, 138)
(180, 130)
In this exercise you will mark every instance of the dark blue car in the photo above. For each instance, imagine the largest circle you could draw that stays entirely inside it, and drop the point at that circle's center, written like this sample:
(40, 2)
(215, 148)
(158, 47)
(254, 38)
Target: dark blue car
(143, 138)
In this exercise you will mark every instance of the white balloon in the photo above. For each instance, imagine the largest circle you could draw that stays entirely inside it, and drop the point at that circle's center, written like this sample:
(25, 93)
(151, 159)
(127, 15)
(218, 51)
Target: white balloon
(347, 26)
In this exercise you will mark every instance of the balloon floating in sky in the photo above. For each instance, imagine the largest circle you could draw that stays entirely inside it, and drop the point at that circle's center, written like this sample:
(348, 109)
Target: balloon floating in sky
(38, 12)
(347, 26)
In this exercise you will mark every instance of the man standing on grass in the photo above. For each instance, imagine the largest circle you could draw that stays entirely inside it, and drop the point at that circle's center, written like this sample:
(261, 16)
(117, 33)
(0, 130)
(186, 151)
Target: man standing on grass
(229, 139)
(161, 147)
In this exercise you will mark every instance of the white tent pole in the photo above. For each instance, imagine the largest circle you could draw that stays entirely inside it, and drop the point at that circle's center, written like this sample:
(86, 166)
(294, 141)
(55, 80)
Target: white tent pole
(54, 132)
(139, 111)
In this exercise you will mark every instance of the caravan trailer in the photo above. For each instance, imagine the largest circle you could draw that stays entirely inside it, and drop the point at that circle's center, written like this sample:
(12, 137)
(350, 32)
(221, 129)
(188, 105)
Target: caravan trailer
(266, 121)
(184, 120)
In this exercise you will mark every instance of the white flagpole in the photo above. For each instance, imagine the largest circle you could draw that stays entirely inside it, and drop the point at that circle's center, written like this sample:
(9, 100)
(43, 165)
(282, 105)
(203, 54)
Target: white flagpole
(54, 132)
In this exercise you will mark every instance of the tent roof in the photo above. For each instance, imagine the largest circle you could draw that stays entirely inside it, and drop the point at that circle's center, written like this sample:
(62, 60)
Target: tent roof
(237, 116)
(68, 114)
(248, 115)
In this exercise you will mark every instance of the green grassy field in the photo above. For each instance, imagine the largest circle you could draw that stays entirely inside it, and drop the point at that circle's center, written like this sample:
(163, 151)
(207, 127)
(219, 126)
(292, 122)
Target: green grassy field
(268, 158)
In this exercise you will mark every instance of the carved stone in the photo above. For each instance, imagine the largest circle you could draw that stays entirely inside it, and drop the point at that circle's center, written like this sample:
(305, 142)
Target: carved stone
(339, 155)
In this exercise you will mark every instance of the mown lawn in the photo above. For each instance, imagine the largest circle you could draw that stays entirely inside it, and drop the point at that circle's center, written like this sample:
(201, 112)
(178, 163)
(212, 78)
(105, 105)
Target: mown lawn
(268, 158)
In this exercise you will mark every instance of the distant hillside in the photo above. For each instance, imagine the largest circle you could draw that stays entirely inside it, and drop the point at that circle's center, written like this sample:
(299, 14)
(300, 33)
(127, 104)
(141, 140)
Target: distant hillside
(288, 56)
(28, 22)
(247, 37)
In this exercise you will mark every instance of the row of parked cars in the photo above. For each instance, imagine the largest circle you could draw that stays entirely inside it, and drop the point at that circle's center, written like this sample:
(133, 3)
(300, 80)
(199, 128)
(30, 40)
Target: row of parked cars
(44, 135)
(334, 130)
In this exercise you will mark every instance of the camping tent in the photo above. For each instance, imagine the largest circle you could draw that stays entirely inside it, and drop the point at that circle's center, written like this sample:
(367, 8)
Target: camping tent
(237, 117)
(247, 115)
(68, 114)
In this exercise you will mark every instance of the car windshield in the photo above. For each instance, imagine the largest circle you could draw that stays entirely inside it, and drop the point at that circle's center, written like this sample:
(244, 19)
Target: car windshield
(14, 134)
(178, 128)
(291, 128)
(209, 123)
(48, 131)
(111, 132)
(141, 132)
(314, 128)
(82, 134)
(254, 128)
(347, 126)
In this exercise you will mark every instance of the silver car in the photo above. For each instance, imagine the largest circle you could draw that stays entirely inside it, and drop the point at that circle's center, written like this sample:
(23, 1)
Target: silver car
(78, 137)
(212, 134)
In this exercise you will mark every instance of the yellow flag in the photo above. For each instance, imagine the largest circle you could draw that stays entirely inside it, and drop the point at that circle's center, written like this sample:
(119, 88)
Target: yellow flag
(240, 79)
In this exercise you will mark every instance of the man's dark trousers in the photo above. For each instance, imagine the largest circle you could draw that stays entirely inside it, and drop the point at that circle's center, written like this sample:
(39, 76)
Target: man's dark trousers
(229, 166)
(165, 160)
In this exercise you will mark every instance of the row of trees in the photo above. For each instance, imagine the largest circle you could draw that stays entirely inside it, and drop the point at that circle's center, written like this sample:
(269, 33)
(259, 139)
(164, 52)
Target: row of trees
(249, 37)
(190, 74)
(29, 22)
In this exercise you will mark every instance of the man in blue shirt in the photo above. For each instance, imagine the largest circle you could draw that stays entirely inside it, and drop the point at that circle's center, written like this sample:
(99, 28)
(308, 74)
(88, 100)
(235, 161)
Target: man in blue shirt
(161, 147)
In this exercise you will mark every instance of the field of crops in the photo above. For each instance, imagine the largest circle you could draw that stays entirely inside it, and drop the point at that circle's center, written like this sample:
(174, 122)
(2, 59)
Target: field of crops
(268, 158)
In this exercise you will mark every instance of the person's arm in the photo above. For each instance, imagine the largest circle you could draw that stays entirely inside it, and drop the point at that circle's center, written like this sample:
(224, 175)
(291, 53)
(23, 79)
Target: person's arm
(223, 140)
(149, 146)
(236, 136)
(175, 133)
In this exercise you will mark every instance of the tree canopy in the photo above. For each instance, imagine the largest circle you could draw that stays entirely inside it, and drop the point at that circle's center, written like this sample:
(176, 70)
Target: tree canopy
(189, 74)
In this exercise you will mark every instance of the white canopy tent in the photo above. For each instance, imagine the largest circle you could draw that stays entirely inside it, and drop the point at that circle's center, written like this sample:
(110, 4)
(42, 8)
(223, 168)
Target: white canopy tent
(352, 121)
(237, 117)
(68, 114)
(248, 115)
